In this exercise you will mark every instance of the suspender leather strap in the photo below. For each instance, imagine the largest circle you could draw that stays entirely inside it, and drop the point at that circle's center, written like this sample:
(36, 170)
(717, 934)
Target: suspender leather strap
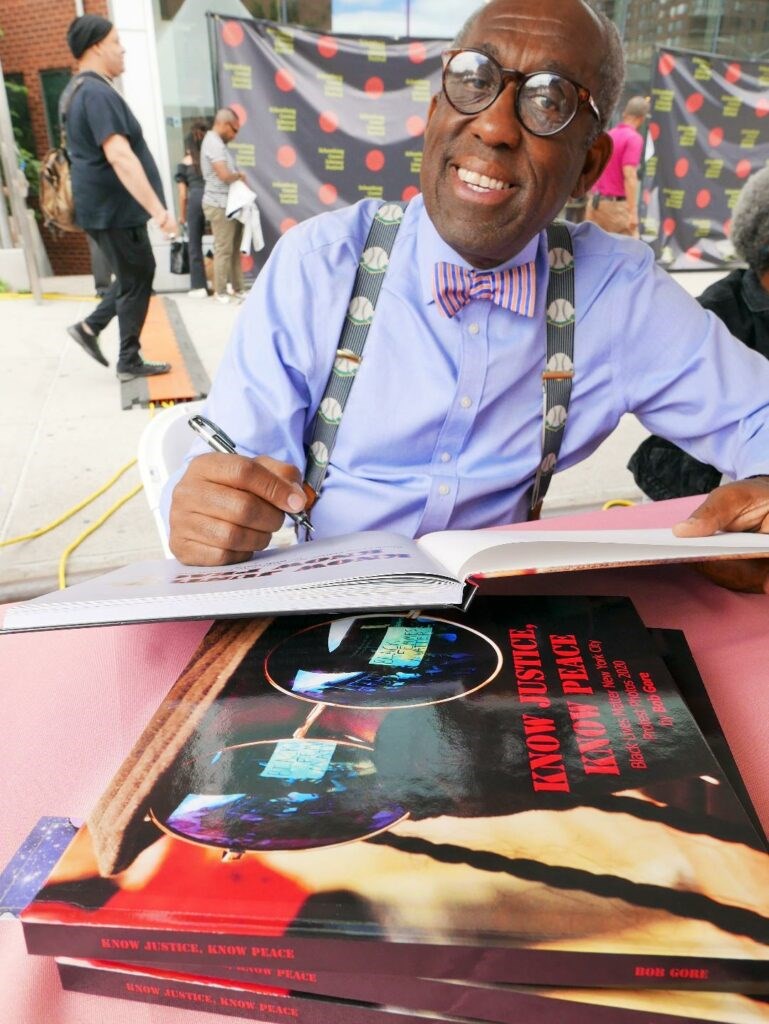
(556, 377)
(558, 374)
(360, 313)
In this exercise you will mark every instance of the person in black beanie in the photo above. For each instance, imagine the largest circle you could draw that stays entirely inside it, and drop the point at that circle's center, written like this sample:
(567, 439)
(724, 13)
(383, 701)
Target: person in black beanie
(116, 188)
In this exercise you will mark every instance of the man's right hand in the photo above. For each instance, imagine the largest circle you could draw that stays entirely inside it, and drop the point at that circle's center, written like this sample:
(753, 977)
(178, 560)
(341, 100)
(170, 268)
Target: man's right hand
(225, 507)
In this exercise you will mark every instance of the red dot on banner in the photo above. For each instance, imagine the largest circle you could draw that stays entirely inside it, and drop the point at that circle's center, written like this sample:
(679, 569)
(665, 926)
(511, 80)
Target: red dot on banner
(409, 192)
(694, 253)
(327, 46)
(375, 159)
(327, 194)
(647, 196)
(232, 33)
(417, 53)
(694, 102)
(716, 136)
(415, 125)
(733, 73)
(666, 64)
(374, 86)
(328, 121)
(284, 80)
(703, 198)
(654, 130)
(246, 262)
(727, 226)
(240, 111)
(762, 106)
(681, 168)
(286, 224)
(286, 156)
(743, 168)
(668, 227)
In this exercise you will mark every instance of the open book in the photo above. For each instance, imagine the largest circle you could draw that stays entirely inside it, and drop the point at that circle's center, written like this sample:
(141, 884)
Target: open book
(359, 570)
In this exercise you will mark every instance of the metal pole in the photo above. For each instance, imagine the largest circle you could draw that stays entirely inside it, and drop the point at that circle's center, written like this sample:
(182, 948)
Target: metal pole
(408, 19)
(6, 242)
(18, 205)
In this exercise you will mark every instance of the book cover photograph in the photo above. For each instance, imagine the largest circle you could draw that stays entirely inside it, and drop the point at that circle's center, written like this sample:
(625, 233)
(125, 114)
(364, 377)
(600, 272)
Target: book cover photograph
(517, 793)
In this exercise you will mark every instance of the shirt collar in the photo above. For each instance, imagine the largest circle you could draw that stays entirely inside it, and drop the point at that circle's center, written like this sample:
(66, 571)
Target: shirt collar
(431, 249)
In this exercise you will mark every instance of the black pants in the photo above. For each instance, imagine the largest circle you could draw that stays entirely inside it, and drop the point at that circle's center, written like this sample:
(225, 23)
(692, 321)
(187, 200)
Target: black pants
(102, 274)
(129, 253)
(196, 224)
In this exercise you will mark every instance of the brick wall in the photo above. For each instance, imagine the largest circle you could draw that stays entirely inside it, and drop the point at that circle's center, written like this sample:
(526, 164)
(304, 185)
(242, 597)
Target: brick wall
(34, 39)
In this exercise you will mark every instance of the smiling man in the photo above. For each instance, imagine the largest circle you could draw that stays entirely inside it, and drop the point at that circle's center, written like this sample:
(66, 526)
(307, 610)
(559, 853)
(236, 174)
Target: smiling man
(443, 427)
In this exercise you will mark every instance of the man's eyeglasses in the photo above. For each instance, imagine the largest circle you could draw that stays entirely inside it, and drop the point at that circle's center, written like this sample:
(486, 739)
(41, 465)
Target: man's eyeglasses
(545, 102)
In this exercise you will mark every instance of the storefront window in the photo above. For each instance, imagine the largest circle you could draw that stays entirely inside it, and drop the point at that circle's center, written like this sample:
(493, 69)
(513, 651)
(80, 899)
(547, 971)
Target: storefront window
(430, 19)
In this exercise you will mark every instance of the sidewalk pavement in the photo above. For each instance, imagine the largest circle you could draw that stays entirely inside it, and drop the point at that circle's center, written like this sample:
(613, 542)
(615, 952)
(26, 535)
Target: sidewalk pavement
(63, 435)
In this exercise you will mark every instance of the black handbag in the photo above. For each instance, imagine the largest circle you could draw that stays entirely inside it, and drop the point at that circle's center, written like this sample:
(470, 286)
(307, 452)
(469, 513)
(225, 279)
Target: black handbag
(180, 256)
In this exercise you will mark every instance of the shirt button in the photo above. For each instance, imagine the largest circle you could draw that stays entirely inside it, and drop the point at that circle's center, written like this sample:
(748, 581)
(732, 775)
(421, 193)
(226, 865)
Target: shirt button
(444, 489)
(465, 402)
(474, 328)
(445, 457)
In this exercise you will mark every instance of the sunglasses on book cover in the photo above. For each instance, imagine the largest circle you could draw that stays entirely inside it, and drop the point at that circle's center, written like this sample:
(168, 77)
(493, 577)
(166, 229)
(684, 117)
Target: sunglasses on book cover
(299, 792)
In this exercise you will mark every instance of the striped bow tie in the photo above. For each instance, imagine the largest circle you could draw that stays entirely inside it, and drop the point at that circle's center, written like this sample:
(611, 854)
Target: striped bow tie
(514, 289)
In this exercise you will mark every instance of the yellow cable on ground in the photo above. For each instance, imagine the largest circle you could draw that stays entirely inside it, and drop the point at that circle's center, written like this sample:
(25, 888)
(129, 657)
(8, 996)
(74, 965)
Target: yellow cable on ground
(617, 503)
(88, 531)
(71, 512)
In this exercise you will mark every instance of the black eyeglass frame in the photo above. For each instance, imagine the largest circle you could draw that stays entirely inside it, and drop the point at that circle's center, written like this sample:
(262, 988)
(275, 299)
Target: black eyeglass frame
(584, 97)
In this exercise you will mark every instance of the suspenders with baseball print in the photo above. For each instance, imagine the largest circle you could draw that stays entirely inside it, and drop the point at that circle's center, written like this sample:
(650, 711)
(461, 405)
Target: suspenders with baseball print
(556, 377)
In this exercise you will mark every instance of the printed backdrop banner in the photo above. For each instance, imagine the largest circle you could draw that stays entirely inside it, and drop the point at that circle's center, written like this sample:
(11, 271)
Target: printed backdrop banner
(709, 132)
(325, 120)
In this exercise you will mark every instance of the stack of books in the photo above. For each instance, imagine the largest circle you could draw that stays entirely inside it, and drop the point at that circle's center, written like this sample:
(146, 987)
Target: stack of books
(521, 812)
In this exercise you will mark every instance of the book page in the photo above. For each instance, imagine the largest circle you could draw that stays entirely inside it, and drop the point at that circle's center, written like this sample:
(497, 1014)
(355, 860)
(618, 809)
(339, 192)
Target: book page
(328, 573)
(505, 552)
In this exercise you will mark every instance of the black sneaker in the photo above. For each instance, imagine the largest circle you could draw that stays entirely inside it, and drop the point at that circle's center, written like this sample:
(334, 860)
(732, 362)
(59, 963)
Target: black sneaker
(142, 369)
(88, 342)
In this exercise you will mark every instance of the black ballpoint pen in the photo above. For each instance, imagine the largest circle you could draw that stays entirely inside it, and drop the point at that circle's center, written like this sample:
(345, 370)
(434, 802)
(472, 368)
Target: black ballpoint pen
(216, 438)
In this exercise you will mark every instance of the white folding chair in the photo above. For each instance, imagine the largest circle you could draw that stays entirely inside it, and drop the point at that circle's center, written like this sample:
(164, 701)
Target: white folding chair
(162, 446)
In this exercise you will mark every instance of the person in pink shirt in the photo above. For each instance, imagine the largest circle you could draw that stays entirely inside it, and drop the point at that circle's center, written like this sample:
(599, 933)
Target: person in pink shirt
(613, 204)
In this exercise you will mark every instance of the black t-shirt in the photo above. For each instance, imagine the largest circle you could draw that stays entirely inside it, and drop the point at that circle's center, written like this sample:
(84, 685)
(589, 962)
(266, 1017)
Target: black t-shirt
(187, 175)
(97, 111)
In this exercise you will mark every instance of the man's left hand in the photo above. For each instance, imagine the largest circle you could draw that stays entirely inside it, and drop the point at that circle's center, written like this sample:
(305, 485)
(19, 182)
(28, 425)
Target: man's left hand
(739, 506)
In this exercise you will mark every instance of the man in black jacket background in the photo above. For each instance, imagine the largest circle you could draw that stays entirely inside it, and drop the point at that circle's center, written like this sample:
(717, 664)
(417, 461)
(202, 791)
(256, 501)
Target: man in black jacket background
(741, 300)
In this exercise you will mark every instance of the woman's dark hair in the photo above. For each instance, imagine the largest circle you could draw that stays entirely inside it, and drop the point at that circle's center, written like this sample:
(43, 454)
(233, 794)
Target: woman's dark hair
(193, 140)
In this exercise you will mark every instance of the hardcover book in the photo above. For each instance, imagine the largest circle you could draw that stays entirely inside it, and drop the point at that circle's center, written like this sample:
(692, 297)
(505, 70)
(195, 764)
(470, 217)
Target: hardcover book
(517, 793)
(361, 570)
(464, 1001)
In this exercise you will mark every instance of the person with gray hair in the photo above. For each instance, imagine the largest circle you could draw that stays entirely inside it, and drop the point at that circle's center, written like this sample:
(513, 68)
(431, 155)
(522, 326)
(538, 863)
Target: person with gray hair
(219, 172)
(741, 299)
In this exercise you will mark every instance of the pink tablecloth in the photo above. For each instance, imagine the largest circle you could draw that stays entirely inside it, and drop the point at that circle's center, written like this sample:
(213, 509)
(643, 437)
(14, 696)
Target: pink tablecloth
(73, 702)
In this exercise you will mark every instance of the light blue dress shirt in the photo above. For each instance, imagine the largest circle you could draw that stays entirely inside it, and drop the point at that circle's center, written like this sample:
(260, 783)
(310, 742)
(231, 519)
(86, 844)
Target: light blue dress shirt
(443, 426)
